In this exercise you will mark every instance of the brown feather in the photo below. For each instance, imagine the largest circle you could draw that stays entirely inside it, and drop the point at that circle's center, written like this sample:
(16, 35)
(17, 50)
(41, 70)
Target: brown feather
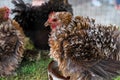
(11, 47)
(85, 50)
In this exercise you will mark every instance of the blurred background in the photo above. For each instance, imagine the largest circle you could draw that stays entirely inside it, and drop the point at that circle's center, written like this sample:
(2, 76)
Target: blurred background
(103, 11)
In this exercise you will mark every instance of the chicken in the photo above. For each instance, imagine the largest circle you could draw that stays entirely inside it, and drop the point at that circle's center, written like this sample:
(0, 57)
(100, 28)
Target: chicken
(32, 18)
(11, 43)
(84, 50)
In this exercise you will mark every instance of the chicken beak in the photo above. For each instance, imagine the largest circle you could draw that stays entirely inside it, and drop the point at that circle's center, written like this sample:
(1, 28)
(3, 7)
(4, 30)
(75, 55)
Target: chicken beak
(46, 24)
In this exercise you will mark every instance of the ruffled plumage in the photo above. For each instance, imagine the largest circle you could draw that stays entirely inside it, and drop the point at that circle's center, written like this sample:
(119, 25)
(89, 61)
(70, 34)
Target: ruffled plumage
(11, 47)
(85, 50)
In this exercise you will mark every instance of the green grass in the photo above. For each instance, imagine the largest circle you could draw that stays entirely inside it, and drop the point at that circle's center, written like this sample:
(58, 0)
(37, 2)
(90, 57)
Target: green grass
(118, 78)
(31, 71)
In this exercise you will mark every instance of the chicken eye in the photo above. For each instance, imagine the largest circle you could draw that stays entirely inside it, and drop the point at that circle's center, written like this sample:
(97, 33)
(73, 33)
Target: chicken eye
(54, 20)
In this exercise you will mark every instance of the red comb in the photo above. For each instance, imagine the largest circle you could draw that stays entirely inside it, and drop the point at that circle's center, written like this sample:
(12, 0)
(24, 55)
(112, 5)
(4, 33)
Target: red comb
(52, 13)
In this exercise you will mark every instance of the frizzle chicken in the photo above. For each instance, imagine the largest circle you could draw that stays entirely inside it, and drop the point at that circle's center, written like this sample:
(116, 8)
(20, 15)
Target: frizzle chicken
(84, 50)
(32, 18)
(11, 43)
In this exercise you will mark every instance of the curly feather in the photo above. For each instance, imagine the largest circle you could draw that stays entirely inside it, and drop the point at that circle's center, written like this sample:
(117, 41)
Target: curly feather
(11, 47)
(85, 50)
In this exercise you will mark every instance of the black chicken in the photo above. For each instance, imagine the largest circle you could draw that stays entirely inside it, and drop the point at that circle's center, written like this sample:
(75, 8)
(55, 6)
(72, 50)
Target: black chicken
(32, 19)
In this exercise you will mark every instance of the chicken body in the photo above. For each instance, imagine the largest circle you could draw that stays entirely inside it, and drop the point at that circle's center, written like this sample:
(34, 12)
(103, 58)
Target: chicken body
(83, 49)
(11, 43)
